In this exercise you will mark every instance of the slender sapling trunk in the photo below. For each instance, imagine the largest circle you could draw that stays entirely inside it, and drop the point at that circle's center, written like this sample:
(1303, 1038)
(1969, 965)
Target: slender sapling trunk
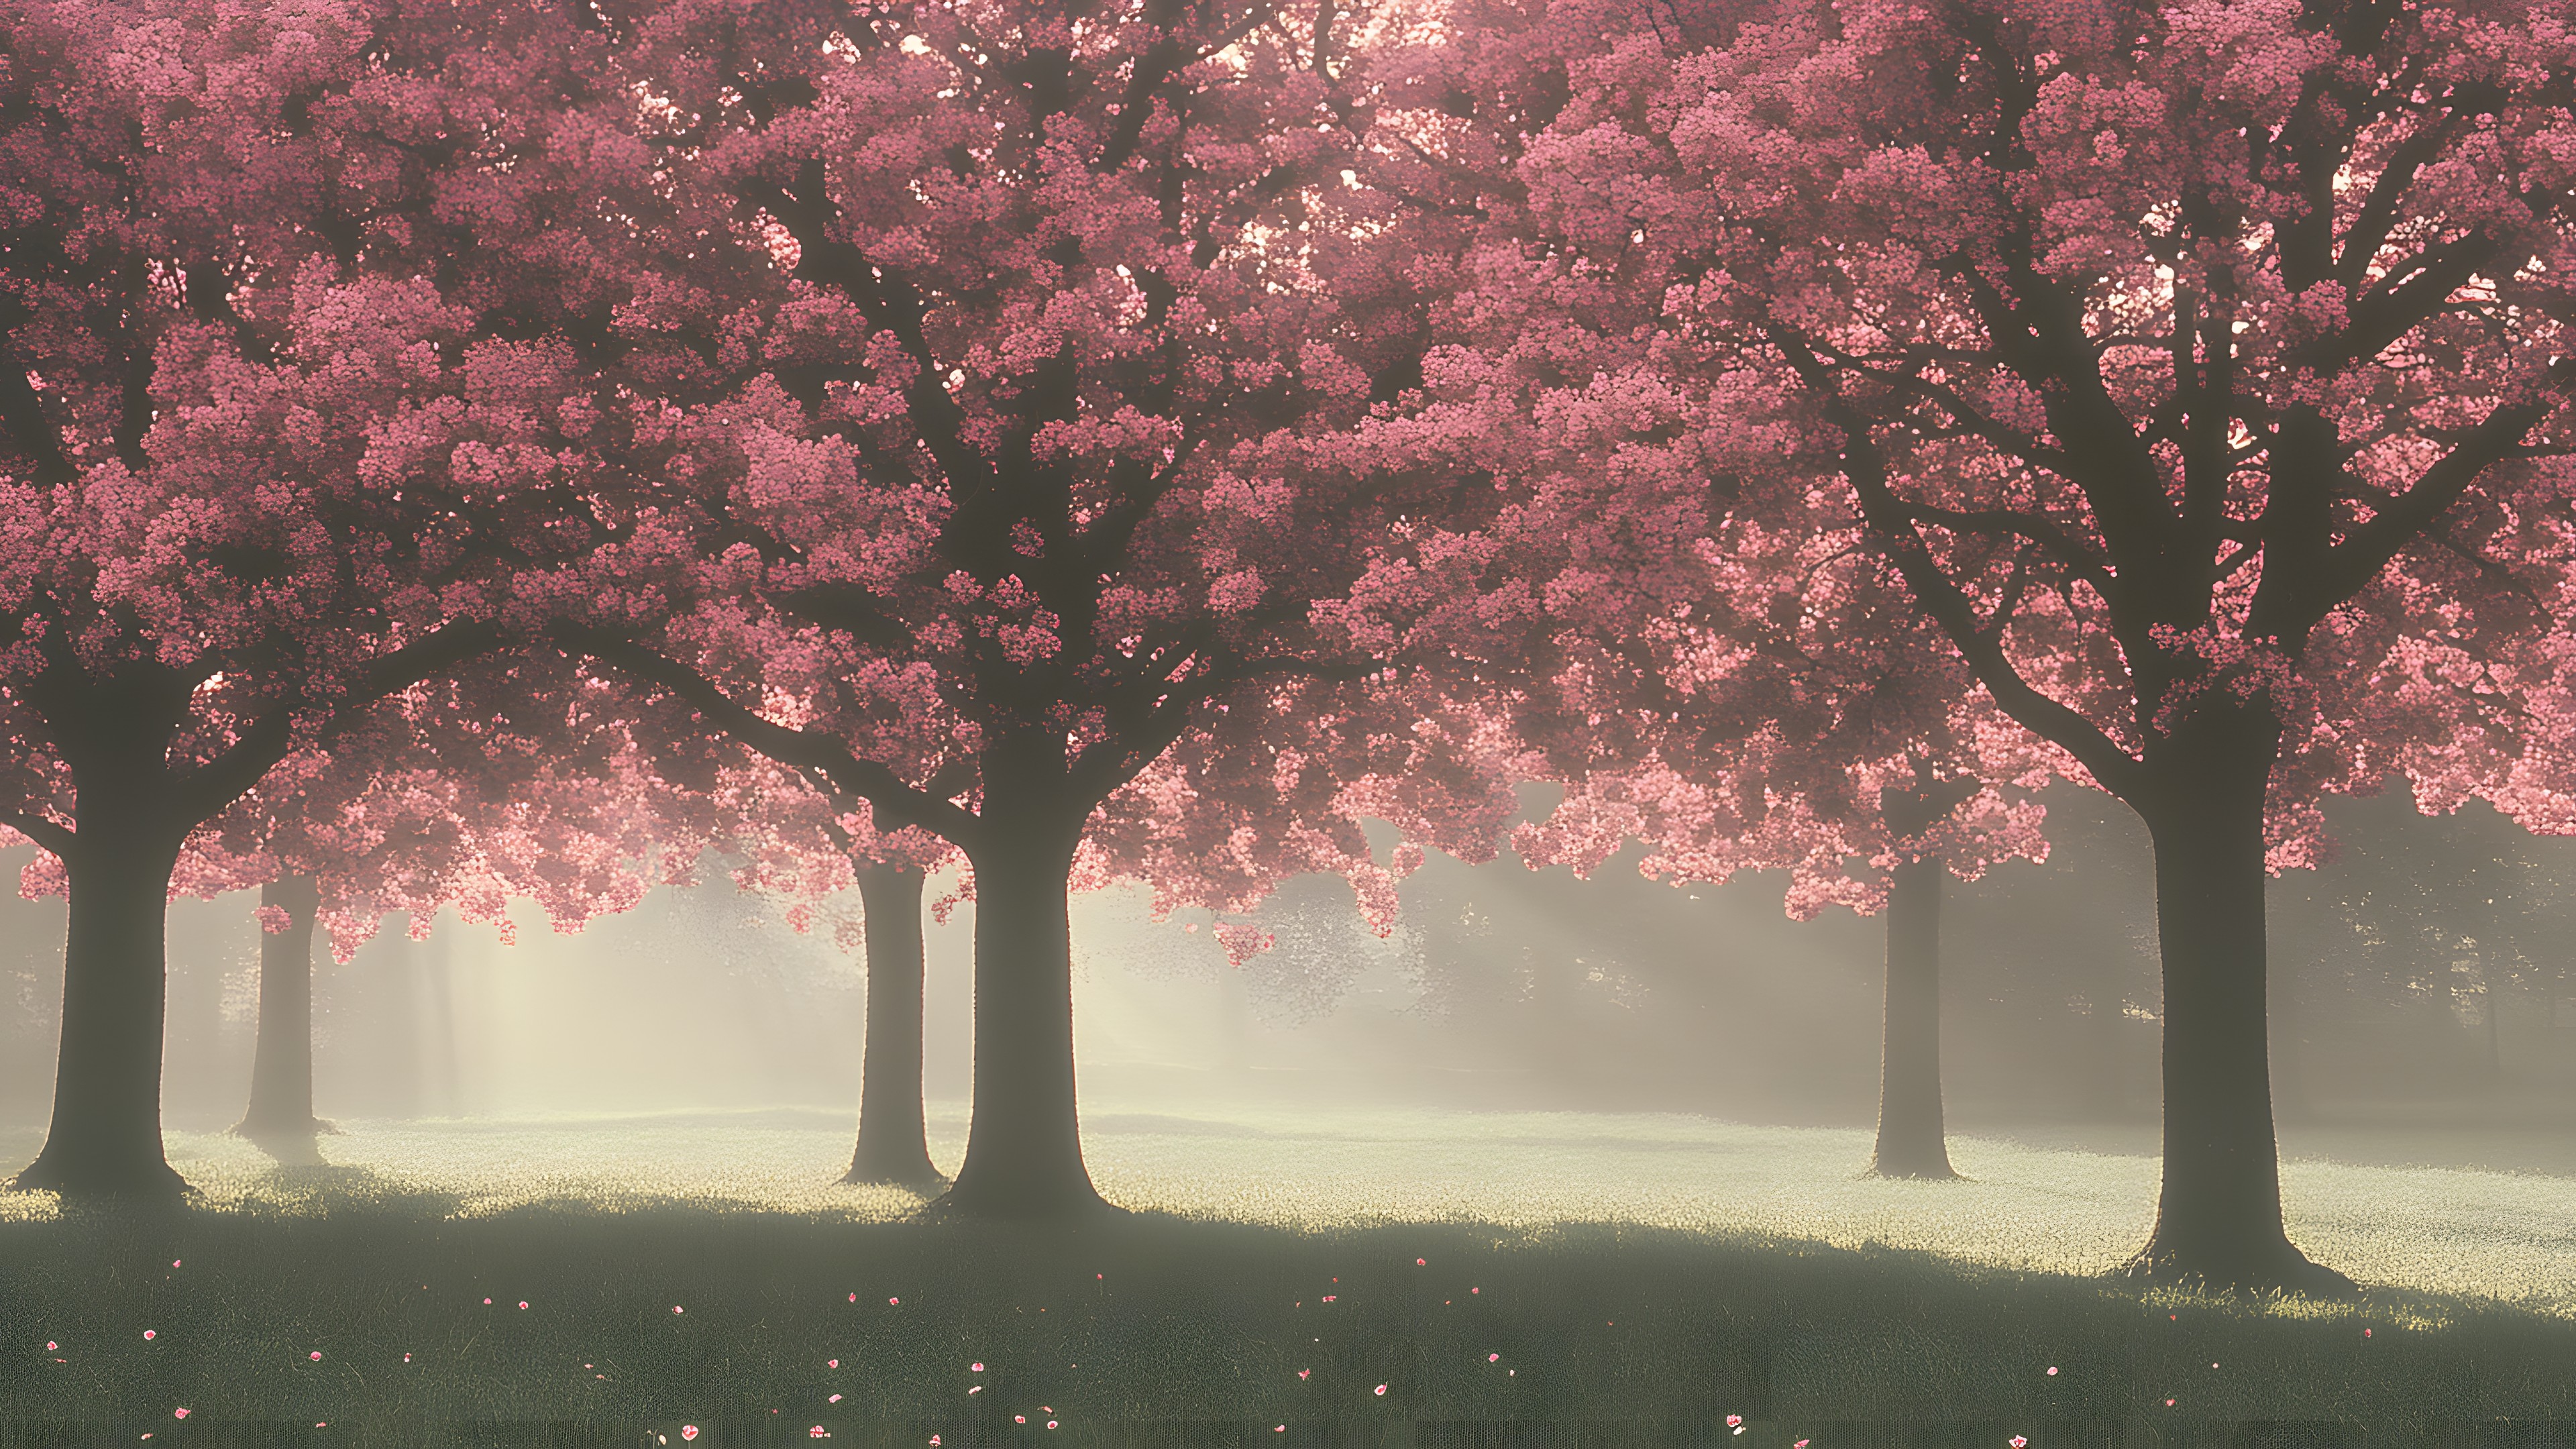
(1911, 1142)
(894, 1144)
(280, 1116)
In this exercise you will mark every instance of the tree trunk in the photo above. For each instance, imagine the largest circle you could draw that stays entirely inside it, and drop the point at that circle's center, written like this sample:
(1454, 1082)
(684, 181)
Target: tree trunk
(2218, 1215)
(105, 1137)
(1023, 1144)
(894, 1145)
(1910, 1137)
(280, 1116)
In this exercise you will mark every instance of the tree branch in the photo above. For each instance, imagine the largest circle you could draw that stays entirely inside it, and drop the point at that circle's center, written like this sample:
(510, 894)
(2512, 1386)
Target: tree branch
(804, 750)
(53, 836)
(1940, 596)
(2348, 566)
(211, 788)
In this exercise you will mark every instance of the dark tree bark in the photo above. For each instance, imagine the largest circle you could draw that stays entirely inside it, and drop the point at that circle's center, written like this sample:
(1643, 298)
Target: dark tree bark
(105, 1135)
(132, 805)
(2218, 1212)
(894, 1144)
(280, 1116)
(1024, 1143)
(1911, 1142)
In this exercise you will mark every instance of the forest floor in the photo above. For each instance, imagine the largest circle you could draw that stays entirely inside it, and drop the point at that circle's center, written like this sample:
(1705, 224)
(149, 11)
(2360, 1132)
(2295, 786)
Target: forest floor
(1380, 1278)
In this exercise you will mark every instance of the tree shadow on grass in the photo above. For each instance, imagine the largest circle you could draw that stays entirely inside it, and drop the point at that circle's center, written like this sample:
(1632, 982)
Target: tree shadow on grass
(321, 1189)
(290, 1149)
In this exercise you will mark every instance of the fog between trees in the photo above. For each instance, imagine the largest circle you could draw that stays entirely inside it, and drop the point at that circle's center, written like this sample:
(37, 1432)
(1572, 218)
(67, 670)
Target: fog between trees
(2420, 980)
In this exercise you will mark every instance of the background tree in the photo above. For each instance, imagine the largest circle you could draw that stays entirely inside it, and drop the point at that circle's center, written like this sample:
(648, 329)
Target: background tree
(802, 844)
(444, 798)
(2193, 371)
(1741, 695)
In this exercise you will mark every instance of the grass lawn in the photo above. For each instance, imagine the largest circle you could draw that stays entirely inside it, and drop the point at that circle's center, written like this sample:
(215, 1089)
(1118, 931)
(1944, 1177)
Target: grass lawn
(1381, 1278)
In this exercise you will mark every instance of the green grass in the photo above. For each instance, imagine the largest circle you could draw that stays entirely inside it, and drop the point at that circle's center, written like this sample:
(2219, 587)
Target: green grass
(1607, 1280)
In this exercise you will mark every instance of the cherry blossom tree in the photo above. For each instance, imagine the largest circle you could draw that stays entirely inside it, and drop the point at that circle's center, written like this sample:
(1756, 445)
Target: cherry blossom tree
(809, 845)
(265, 439)
(469, 793)
(1774, 709)
(1743, 690)
(174, 631)
(995, 343)
(2196, 368)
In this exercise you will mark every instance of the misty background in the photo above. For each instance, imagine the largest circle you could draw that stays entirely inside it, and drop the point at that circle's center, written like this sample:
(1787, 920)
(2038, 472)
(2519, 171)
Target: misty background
(2419, 980)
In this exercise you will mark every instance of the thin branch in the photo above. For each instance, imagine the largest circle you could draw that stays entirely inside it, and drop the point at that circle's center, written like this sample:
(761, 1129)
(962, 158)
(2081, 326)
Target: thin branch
(1940, 596)
(794, 748)
(2350, 565)
(2037, 528)
(210, 788)
(53, 835)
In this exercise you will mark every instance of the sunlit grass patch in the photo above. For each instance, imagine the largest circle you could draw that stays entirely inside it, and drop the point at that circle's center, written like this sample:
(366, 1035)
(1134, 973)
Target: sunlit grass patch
(1647, 1271)
(2506, 1237)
